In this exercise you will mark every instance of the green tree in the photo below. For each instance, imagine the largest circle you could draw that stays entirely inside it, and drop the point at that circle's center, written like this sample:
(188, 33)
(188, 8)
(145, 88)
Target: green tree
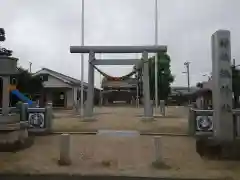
(2, 34)
(26, 84)
(199, 85)
(4, 51)
(165, 77)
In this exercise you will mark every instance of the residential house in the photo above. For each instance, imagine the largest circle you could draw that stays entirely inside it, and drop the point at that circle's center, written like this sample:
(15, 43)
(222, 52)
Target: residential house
(62, 90)
(180, 95)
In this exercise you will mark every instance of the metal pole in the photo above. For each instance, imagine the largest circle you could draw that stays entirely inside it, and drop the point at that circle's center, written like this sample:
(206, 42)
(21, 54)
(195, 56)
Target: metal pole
(156, 56)
(137, 93)
(188, 77)
(188, 74)
(234, 91)
(100, 78)
(82, 62)
(30, 67)
(137, 98)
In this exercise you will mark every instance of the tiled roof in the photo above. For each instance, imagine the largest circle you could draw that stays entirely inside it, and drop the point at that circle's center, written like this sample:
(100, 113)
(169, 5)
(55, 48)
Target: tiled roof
(183, 90)
(65, 77)
(61, 76)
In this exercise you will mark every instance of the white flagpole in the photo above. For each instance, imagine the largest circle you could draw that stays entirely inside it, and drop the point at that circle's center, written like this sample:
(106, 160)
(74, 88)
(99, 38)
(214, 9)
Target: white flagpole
(156, 57)
(82, 61)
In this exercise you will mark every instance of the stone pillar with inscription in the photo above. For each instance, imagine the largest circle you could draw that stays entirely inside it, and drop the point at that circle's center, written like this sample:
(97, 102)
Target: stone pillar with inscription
(222, 86)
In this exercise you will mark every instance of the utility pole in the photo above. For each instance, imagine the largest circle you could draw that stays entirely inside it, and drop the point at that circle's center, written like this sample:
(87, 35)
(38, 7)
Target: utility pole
(188, 74)
(30, 67)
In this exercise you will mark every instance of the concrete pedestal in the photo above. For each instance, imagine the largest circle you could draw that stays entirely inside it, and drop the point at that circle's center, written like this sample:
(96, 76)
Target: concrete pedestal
(212, 149)
(13, 133)
(147, 118)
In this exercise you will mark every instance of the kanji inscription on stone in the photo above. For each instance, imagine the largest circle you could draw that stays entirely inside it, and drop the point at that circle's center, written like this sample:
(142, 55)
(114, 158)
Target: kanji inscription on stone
(224, 43)
(224, 57)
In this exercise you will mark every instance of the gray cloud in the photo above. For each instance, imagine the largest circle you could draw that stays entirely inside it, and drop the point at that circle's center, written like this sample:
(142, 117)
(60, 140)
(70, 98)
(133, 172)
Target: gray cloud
(42, 31)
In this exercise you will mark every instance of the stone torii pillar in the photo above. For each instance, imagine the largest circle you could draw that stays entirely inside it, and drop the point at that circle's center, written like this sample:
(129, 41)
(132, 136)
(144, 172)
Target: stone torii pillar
(88, 111)
(148, 112)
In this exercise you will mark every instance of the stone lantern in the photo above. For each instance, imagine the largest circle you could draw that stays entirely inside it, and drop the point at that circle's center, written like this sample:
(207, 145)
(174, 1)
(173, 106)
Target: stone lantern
(8, 67)
(12, 129)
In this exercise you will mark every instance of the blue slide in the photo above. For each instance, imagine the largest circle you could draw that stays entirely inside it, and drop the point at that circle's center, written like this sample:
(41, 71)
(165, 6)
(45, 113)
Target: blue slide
(21, 96)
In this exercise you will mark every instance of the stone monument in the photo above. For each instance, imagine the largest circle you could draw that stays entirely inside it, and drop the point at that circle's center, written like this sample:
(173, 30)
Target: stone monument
(13, 131)
(222, 86)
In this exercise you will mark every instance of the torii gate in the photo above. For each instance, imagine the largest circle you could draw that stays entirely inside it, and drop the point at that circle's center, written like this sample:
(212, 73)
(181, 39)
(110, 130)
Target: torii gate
(91, 50)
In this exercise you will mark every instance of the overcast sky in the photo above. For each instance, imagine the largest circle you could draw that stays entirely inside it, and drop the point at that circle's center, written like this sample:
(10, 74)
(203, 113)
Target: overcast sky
(41, 31)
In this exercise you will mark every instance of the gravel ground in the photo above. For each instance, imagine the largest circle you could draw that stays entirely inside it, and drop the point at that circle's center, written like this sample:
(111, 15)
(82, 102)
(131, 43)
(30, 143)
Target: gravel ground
(113, 155)
(122, 118)
(131, 156)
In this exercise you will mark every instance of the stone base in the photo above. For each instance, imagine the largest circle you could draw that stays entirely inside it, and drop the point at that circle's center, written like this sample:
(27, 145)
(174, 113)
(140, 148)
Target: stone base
(15, 140)
(147, 118)
(10, 123)
(64, 162)
(160, 165)
(39, 132)
(17, 146)
(13, 133)
(218, 151)
(9, 137)
(88, 119)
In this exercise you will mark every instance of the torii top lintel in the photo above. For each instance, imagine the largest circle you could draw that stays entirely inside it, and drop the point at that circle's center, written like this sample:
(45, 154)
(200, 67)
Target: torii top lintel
(117, 49)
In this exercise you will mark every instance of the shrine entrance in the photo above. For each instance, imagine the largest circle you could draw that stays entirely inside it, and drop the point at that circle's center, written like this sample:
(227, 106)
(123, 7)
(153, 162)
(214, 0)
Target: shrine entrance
(140, 64)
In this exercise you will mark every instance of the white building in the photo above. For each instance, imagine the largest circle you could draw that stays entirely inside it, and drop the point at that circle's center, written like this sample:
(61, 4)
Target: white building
(62, 90)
